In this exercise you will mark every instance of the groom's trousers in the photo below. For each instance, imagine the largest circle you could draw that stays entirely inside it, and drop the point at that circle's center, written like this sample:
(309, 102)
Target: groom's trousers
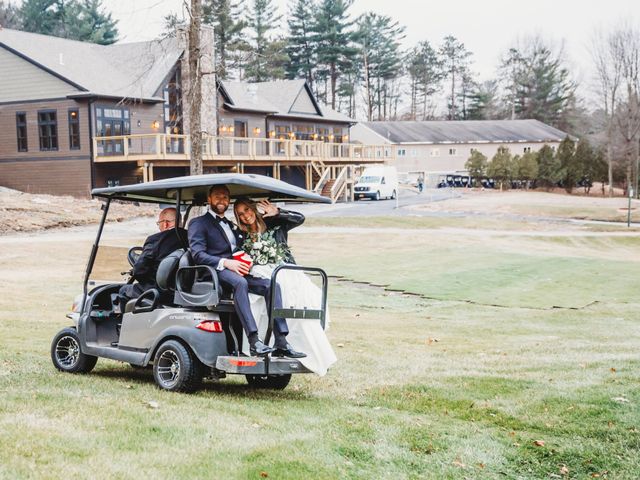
(241, 287)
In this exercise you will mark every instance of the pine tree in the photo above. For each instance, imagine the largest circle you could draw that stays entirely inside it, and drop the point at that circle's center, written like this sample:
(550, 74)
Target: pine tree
(476, 165)
(225, 17)
(333, 40)
(83, 20)
(425, 74)
(483, 102)
(455, 60)
(527, 168)
(266, 56)
(301, 47)
(569, 171)
(377, 40)
(538, 84)
(548, 167)
(9, 17)
(501, 166)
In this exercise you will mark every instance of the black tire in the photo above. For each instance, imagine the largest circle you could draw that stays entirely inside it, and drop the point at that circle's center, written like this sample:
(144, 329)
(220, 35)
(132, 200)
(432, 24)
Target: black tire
(272, 382)
(176, 368)
(393, 195)
(377, 197)
(67, 355)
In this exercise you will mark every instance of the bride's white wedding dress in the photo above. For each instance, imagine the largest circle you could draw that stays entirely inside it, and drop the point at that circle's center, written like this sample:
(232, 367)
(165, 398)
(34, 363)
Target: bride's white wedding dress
(305, 335)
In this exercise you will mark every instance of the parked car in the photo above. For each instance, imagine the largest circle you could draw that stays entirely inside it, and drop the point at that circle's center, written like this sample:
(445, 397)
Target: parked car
(377, 183)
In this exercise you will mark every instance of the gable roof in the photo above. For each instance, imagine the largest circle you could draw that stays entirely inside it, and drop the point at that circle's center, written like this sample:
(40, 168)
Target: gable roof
(128, 70)
(277, 97)
(467, 131)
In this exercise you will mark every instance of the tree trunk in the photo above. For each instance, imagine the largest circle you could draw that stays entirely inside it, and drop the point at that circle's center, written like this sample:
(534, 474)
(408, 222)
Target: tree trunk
(195, 87)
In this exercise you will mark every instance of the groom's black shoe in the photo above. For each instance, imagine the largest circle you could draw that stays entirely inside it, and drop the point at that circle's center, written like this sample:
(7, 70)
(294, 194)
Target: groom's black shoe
(259, 349)
(289, 352)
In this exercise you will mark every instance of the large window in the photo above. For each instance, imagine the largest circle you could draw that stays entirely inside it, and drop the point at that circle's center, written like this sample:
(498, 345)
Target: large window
(48, 130)
(21, 131)
(74, 129)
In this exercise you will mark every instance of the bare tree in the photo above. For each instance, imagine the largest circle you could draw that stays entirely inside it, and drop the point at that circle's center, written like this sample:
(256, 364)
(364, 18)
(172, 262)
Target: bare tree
(607, 52)
(194, 86)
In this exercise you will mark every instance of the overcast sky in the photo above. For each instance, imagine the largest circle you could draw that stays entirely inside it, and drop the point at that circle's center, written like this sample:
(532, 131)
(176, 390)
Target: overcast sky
(487, 27)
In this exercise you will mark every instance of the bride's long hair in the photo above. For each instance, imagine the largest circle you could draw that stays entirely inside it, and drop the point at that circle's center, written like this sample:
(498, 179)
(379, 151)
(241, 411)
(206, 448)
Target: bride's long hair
(262, 227)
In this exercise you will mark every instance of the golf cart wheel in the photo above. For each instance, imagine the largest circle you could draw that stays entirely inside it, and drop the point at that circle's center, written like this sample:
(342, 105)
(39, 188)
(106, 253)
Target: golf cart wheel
(176, 369)
(377, 197)
(272, 382)
(67, 355)
(393, 195)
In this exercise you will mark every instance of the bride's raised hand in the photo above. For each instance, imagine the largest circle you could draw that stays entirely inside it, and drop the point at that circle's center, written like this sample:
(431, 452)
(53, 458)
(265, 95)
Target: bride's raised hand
(268, 208)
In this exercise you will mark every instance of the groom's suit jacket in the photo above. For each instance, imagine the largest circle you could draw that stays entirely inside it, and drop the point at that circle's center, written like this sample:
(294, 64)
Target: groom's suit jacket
(208, 241)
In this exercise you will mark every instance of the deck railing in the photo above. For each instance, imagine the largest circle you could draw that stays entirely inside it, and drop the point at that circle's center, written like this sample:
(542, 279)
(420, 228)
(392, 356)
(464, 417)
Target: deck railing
(162, 146)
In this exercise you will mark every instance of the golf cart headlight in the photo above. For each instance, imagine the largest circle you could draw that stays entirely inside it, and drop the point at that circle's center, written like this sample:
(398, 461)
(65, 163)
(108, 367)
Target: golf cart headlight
(77, 303)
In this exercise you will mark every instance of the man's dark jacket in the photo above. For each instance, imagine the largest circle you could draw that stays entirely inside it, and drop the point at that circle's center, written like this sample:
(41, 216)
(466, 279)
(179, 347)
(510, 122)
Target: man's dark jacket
(208, 241)
(155, 249)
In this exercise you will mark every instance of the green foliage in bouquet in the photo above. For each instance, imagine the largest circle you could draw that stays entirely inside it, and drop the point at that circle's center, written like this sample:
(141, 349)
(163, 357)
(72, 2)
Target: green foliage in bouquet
(264, 249)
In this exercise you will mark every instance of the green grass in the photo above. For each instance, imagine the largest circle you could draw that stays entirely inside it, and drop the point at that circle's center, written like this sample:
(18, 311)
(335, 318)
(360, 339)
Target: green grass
(427, 386)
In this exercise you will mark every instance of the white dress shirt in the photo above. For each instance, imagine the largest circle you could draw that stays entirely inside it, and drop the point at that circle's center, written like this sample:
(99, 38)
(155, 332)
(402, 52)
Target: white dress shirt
(230, 236)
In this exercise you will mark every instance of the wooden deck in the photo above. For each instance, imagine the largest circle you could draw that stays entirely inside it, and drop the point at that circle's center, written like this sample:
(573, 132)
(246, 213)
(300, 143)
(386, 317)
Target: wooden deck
(174, 150)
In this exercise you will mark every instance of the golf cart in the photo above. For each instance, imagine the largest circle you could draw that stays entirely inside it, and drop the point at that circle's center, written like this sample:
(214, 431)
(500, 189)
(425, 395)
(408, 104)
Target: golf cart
(186, 328)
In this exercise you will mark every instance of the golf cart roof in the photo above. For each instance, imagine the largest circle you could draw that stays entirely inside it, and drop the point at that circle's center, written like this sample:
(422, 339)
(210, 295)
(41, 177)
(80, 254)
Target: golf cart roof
(194, 189)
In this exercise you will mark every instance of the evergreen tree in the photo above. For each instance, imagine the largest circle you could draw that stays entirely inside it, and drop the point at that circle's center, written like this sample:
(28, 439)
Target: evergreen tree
(9, 16)
(301, 47)
(88, 22)
(527, 168)
(455, 60)
(333, 41)
(501, 166)
(266, 56)
(483, 102)
(378, 41)
(83, 20)
(590, 164)
(538, 84)
(476, 165)
(569, 170)
(225, 17)
(425, 74)
(548, 167)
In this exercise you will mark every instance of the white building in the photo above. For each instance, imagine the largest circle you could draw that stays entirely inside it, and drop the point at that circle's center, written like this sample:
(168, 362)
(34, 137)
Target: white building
(438, 148)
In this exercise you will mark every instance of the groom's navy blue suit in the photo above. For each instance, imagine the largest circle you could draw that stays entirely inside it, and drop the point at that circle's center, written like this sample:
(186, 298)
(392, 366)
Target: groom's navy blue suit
(209, 244)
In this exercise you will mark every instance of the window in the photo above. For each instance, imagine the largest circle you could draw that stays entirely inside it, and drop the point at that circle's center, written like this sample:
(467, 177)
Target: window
(402, 152)
(74, 129)
(435, 152)
(527, 149)
(21, 131)
(471, 150)
(452, 152)
(414, 152)
(48, 130)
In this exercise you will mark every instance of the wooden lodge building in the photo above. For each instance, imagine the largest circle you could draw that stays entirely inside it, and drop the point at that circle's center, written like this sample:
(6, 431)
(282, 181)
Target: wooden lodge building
(77, 115)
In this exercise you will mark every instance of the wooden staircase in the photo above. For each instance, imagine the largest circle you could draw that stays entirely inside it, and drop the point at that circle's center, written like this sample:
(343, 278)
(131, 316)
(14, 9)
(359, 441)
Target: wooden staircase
(326, 189)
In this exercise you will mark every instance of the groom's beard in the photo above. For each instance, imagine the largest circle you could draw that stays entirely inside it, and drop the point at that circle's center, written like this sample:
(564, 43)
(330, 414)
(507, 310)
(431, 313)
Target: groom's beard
(219, 208)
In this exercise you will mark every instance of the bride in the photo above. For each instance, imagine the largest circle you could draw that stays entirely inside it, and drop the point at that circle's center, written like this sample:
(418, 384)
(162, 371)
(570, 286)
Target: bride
(267, 237)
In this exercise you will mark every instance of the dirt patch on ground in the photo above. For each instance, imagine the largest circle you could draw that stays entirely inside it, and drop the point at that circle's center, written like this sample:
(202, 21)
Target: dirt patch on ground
(25, 212)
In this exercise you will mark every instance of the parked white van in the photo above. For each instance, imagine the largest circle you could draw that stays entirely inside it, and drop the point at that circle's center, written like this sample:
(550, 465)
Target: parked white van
(376, 183)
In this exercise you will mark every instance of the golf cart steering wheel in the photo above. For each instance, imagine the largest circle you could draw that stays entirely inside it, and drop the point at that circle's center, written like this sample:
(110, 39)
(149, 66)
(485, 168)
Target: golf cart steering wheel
(133, 254)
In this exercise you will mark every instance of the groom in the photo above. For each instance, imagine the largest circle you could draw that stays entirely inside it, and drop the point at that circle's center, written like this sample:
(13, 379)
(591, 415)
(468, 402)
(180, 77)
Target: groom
(213, 239)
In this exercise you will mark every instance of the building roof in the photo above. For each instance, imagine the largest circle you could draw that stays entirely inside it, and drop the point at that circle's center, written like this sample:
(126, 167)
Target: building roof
(277, 97)
(127, 70)
(467, 131)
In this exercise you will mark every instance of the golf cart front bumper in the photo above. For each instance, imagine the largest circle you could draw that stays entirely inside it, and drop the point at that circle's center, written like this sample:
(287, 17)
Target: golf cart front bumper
(259, 365)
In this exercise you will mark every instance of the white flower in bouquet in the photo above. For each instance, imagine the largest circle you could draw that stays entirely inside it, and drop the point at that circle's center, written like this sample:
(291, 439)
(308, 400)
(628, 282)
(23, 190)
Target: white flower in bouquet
(265, 249)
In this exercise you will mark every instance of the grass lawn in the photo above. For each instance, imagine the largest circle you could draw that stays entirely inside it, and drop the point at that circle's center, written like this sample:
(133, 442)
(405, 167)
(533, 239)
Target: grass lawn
(502, 357)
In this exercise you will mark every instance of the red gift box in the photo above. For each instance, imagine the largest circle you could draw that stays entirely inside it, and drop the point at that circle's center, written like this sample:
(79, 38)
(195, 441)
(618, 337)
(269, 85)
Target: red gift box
(243, 257)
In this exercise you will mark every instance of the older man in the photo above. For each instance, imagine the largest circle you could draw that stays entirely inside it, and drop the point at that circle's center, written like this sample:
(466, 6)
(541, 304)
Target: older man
(213, 239)
(156, 248)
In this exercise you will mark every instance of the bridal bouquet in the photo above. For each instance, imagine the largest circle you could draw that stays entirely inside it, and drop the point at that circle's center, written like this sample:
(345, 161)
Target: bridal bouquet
(264, 249)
